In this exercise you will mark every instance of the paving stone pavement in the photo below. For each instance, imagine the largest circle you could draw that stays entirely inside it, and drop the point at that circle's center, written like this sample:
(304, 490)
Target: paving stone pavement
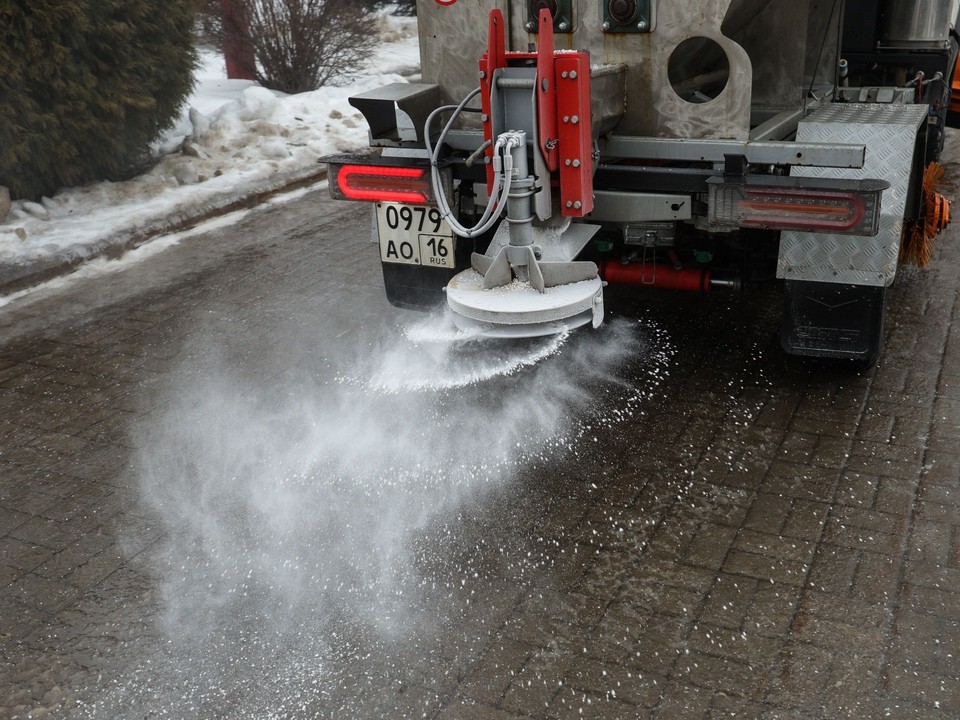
(732, 533)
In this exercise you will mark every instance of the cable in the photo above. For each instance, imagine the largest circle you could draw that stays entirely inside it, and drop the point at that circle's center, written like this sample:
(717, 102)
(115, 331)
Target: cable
(502, 164)
(477, 154)
(487, 219)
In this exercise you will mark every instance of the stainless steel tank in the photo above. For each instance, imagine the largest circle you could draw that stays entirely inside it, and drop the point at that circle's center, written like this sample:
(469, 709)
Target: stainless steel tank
(705, 69)
(917, 23)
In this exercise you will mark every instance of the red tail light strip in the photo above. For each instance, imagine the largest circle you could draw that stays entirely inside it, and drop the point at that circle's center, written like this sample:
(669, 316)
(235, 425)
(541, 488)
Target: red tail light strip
(381, 183)
(785, 204)
(839, 212)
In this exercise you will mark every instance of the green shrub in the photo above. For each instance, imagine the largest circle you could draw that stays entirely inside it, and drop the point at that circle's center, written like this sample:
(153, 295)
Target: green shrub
(87, 85)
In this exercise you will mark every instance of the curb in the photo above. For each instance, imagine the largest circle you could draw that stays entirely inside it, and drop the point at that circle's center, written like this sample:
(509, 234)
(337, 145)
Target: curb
(15, 279)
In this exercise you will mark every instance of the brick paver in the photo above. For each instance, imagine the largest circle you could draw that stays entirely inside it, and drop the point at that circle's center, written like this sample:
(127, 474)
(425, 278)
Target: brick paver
(755, 537)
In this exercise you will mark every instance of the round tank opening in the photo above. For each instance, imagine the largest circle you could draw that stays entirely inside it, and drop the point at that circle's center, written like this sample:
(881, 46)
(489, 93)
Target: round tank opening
(622, 12)
(537, 5)
(698, 69)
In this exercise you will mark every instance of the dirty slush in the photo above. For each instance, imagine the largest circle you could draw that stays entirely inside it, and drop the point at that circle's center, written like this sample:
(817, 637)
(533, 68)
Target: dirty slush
(311, 514)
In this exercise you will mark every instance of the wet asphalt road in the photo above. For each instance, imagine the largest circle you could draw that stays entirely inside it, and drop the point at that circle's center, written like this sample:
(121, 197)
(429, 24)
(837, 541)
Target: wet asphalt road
(218, 500)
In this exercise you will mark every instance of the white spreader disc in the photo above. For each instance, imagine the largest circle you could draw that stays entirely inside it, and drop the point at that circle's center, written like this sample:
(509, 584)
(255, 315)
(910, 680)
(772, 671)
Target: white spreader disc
(519, 310)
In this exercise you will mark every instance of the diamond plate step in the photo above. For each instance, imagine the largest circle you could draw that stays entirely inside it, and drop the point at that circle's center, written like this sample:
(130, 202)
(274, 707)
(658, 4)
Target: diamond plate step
(889, 133)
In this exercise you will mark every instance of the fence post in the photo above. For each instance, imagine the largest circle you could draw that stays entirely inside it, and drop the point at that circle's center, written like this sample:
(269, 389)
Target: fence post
(237, 46)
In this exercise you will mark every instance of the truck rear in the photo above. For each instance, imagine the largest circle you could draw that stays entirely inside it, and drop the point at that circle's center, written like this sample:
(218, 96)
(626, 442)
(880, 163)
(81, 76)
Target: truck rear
(556, 146)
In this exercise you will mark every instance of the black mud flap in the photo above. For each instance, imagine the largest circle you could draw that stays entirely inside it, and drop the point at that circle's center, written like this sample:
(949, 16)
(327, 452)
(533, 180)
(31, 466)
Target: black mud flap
(420, 287)
(414, 287)
(832, 320)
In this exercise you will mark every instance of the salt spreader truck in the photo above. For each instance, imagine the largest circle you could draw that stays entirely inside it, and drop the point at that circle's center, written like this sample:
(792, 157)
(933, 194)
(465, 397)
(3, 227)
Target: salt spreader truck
(557, 146)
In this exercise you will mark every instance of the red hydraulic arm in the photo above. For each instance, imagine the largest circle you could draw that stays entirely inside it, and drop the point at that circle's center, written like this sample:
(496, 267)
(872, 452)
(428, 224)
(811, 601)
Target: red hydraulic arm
(547, 93)
(563, 115)
(494, 59)
(657, 275)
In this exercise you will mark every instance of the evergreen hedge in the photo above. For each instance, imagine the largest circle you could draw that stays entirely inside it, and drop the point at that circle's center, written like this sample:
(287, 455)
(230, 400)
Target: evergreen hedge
(87, 85)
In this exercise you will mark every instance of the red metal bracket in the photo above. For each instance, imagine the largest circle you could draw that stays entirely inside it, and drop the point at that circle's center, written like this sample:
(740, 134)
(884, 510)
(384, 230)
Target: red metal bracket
(563, 110)
(547, 92)
(494, 59)
(575, 134)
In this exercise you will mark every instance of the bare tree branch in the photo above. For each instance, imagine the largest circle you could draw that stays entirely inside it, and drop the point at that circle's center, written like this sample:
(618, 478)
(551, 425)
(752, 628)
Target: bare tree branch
(301, 45)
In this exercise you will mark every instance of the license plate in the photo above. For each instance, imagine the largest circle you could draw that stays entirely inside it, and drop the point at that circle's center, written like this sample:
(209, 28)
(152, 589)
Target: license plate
(414, 235)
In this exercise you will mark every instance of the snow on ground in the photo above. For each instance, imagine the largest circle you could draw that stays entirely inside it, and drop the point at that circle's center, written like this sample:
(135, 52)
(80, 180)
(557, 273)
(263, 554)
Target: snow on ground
(234, 137)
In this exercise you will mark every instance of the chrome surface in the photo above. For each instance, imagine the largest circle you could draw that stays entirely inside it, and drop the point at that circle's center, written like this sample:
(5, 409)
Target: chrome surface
(910, 22)
(771, 53)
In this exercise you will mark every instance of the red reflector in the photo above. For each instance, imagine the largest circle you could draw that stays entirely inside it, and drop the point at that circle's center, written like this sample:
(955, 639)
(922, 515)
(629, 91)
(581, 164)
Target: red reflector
(828, 211)
(384, 183)
(782, 206)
